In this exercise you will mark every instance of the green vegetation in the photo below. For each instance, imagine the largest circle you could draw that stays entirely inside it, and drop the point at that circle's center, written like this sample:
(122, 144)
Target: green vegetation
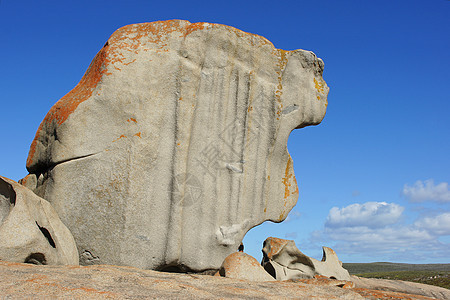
(433, 274)
(358, 268)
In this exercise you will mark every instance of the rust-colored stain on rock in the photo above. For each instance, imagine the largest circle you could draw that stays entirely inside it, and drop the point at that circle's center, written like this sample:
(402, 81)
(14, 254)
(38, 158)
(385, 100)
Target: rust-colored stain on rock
(319, 85)
(384, 295)
(128, 38)
(67, 104)
(120, 137)
(276, 245)
(288, 179)
(234, 260)
(24, 180)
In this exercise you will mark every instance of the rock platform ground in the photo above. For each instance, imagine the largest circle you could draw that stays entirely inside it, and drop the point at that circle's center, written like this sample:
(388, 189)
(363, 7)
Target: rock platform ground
(20, 281)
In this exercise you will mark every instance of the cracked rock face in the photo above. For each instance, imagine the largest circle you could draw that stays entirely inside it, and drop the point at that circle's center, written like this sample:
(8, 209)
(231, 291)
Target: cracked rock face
(30, 229)
(283, 260)
(173, 144)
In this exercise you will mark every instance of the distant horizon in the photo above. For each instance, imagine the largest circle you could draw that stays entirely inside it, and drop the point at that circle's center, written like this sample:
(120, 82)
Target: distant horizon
(387, 262)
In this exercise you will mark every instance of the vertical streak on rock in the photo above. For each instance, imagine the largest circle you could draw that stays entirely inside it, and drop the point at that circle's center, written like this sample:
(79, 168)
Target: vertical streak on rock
(173, 230)
(186, 119)
(246, 126)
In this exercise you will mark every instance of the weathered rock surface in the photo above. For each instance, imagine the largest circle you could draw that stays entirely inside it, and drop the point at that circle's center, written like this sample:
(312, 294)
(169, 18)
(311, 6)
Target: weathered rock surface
(283, 260)
(239, 265)
(401, 287)
(30, 229)
(113, 282)
(173, 144)
(326, 281)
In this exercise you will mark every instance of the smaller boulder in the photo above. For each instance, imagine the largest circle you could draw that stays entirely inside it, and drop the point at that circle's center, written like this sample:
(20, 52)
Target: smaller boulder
(30, 229)
(239, 265)
(283, 260)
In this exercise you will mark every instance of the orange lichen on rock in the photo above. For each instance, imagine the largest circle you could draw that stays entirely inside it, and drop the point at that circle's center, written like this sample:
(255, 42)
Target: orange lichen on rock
(25, 180)
(275, 244)
(290, 189)
(254, 39)
(287, 180)
(348, 285)
(67, 104)
(321, 280)
(37, 278)
(321, 277)
(128, 38)
(64, 107)
(131, 36)
(382, 295)
(319, 85)
(194, 27)
(282, 62)
(122, 136)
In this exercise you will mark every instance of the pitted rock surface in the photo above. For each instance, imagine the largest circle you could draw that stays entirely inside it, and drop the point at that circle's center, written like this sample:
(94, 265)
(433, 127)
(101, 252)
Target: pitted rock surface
(30, 229)
(173, 144)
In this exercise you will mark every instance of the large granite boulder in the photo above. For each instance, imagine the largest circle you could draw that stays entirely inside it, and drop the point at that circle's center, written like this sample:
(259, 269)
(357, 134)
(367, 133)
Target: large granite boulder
(30, 229)
(283, 260)
(173, 144)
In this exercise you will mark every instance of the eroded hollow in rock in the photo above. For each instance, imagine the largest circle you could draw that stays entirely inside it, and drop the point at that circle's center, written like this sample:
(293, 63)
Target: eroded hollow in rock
(47, 235)
(36, 259)
(270, 269)
(172, 269)
(7, 199)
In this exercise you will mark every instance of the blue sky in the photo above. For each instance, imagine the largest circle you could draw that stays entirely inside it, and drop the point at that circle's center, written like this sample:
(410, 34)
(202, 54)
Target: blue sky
(373, 176)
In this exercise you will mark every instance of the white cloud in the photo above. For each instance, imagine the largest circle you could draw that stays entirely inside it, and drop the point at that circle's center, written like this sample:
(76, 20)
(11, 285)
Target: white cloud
(387, 237)
(374, 231)
(427, 191)
(369, 214)
(438, 225)
(392, 243)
